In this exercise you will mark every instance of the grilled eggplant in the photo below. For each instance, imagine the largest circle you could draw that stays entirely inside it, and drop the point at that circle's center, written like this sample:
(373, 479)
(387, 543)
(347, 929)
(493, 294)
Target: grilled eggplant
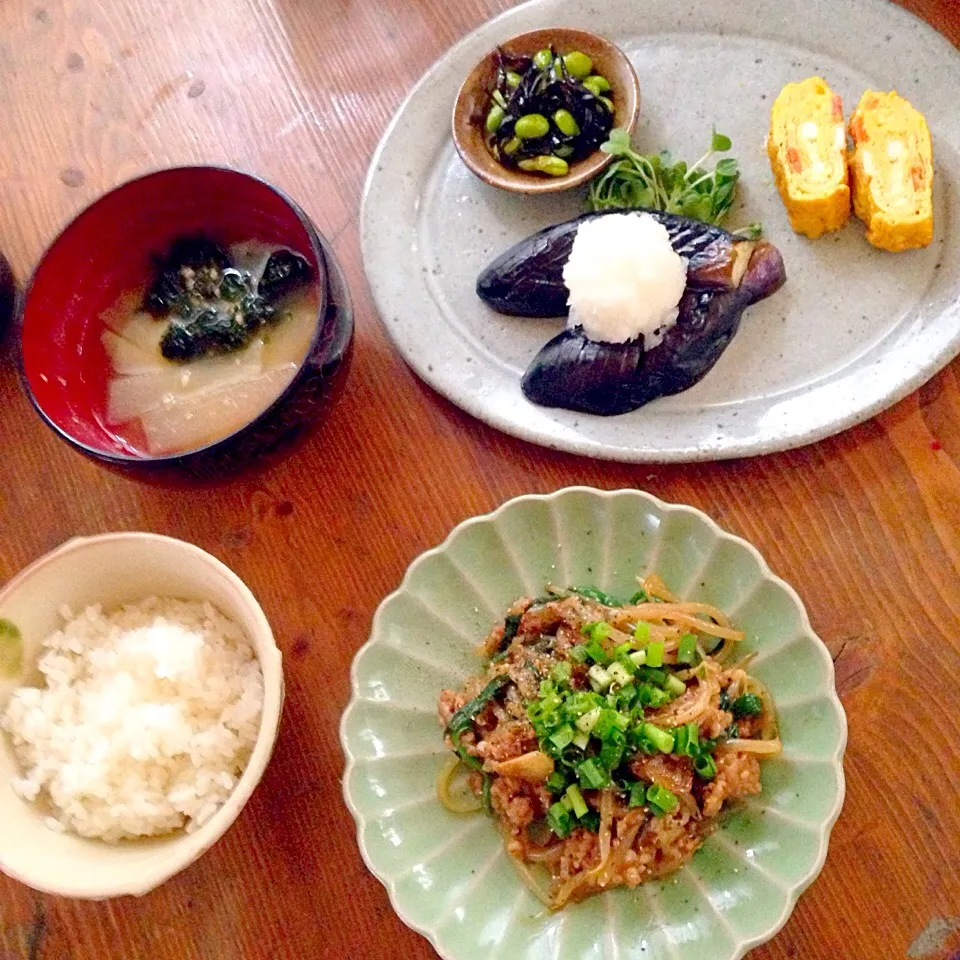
(527, 280)
(724, 276)
(591, 376)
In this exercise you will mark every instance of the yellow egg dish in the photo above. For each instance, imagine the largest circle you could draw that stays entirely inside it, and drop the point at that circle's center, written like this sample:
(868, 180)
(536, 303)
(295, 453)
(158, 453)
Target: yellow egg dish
(807, 148)
(892, 171)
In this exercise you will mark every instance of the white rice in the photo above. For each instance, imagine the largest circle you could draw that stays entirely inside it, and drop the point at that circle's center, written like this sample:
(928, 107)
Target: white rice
(147, 720)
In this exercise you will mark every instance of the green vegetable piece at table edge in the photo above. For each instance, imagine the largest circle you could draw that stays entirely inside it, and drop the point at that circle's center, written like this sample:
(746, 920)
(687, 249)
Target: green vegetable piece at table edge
(11, 649)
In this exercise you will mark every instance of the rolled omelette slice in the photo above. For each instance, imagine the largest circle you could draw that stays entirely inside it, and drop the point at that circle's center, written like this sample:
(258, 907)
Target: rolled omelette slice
(808, 153)
(892, 171)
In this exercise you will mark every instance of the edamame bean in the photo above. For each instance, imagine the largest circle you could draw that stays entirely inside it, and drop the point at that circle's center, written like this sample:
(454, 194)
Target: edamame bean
(565, 150)
(513, 79)
(596, 84)
(531, 125)
(494, 118)
(566, 123)
(607, 102)
(543, 58)
(578, 64)
(511, 146)
(552, 166)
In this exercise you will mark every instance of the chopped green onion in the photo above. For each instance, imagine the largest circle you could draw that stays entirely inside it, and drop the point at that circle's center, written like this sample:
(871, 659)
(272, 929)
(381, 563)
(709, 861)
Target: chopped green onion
(556, 782)
(687, 740)
(622, 651)
(487, 800)
(558, 817)
(591, 821)
(588, 721)
(566, 803)
(608, 721)
(655, 653)
(561, 672)
(661, 800)
(596, 652)
(579, 703)
(576, 798)
(748, 705)
(641, 631)
(591, 775)
(675, 686)
(661, 739)
(638, 658)
(639, 597)
(620, 674)
(577, 653)
(600, 679)
(638, 794)
(598, 630)
(611, 753)
(687, 650)
(581, 740)
(705, 766)
(563, 737)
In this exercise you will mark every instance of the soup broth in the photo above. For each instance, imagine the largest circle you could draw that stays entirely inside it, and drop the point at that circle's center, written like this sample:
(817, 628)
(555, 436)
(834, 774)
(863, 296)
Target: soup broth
(177, 405)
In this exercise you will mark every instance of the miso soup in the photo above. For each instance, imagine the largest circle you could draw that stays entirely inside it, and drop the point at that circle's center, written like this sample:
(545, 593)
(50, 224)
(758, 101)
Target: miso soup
(214, 338)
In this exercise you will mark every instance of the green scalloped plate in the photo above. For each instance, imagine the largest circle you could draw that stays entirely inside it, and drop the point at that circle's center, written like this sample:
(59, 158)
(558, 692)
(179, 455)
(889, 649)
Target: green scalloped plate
(448, 876)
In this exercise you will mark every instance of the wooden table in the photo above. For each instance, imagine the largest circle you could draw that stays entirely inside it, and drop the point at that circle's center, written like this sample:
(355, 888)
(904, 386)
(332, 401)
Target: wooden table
(866, 525)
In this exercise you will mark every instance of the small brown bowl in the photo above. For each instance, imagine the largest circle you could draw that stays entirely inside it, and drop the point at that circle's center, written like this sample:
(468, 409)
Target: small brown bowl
(473, 101)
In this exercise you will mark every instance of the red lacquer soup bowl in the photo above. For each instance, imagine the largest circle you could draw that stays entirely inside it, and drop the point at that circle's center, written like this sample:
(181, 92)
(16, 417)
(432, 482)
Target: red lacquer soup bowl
(108, 251)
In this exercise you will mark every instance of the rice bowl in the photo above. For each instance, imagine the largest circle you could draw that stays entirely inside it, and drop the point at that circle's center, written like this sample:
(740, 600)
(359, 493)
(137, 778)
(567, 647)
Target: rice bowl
(146, 721)
(116, 570)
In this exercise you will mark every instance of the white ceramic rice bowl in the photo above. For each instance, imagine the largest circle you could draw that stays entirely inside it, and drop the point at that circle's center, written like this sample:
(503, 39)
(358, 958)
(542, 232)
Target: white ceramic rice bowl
(113, 569)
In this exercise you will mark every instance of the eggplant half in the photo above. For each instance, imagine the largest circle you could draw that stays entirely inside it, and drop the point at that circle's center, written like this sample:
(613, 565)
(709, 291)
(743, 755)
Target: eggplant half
(527, 280)
(724, 276)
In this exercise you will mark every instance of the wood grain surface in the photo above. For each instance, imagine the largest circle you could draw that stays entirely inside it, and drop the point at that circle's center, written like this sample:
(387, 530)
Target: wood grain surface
(865, 525)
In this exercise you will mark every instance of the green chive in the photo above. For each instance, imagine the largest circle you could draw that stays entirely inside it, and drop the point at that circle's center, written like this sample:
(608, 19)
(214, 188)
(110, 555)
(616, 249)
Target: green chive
(561, 672)
(556, 782)
(661, 800)
(638, 658)
(687, 650)
(620, 674)
(559, 820)
(655, 653)
(600, 679)
(591, 775)
(563, 737)
(661, 739)
(577, 653)
(705, 766)
(576, 798)
(638, 794)
(588, 721)
(596, 652)
(675, 686)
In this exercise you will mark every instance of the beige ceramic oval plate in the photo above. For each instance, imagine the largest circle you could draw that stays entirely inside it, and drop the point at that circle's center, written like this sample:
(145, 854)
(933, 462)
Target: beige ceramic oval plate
(853, 330)
(472, 104)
